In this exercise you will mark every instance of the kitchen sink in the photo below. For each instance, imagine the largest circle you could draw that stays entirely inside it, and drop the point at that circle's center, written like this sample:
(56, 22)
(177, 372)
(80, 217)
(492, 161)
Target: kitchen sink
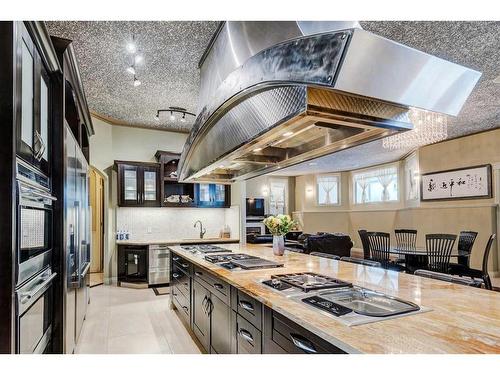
(361, 301)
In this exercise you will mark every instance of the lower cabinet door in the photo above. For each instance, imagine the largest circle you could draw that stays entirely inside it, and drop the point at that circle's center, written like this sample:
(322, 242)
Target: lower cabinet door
(220, 332)
(200, 312)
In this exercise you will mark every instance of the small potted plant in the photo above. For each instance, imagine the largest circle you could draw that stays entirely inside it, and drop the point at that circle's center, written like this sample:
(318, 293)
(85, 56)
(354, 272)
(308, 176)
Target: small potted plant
(279, 225)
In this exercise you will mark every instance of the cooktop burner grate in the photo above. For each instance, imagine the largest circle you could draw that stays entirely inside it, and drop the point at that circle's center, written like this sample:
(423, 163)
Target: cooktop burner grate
(205, 249)
(221, 258)
(307, 281)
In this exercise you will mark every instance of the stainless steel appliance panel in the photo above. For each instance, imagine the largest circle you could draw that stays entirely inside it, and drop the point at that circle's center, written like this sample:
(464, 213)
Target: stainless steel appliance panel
(34, 313)
(71, 233)
(416, 78)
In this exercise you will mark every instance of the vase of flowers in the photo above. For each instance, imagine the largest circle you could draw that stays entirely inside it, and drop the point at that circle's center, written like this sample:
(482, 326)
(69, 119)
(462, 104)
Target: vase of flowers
(279, 225)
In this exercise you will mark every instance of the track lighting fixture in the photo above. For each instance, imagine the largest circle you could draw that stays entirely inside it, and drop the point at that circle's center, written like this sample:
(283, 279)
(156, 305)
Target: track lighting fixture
(173, 111)
(136, 81)
(131, 69)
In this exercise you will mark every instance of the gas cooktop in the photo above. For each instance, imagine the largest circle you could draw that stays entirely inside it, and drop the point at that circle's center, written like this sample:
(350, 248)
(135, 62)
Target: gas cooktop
(221, 258)
(205, 249)
(305, 281)
(241, 261)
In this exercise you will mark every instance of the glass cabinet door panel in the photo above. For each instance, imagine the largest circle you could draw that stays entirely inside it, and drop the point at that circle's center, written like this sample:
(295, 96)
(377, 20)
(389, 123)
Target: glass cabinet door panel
(204, 195)
(130, 184)
(149, 186)
(44, 117)
(27, 96)
(220, 193)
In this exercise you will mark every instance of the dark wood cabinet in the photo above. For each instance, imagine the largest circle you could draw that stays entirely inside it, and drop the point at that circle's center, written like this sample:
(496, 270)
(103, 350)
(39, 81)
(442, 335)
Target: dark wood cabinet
(138, 184)
(220, 326)
(201, 314)
(281, 336)
(33, 109)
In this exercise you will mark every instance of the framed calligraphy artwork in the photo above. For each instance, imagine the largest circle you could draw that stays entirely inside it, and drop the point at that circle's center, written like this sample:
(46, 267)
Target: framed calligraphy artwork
(464, 183)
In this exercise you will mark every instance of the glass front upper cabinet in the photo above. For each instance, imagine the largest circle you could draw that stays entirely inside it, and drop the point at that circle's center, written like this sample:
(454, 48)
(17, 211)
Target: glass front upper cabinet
(130, 186)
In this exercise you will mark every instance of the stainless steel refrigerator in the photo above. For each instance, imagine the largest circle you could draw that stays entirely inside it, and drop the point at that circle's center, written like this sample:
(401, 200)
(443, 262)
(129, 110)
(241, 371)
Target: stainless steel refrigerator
(77, 244)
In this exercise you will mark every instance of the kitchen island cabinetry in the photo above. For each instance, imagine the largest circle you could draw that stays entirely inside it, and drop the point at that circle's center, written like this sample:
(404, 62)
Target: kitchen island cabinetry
(226, 320)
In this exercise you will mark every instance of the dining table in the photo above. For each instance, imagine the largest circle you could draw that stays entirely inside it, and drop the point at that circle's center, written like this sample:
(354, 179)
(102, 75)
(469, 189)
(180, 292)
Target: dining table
(417, 257)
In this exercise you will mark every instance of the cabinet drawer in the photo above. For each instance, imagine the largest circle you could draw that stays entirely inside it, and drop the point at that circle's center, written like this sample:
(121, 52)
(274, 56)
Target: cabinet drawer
(220, 288)
(248, 338)
(248, 307)
(183, 264)
(181, 280)
(159, 276)
(295, 339)
(182, 304)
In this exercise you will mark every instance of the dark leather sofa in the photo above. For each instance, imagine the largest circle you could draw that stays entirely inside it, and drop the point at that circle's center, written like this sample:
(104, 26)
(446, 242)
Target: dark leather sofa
(339, 244)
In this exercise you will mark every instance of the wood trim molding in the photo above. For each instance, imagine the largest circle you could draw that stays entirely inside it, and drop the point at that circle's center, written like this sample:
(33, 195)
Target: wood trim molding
(116, 122)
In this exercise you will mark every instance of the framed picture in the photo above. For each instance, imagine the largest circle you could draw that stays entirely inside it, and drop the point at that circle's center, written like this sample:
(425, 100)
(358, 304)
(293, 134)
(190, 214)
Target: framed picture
(463, 183)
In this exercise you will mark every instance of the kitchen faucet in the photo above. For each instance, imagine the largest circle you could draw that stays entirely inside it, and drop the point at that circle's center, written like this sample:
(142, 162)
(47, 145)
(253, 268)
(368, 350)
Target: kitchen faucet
(202, 231)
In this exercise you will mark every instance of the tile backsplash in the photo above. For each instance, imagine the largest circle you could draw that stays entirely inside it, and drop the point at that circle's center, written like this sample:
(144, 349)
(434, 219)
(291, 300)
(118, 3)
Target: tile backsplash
(176, 223)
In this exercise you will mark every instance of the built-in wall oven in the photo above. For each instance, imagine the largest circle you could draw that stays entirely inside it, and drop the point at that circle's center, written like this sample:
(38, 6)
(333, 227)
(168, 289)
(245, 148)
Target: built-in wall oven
(34, 302)
(34, 222)
(34, 277)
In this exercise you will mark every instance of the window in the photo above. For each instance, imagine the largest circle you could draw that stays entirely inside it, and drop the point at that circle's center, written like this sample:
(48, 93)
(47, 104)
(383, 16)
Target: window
(277, 198)
(327, 190)
(376, 185)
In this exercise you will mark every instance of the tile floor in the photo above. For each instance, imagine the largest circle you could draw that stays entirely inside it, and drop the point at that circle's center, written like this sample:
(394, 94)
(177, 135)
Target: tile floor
(132, 321)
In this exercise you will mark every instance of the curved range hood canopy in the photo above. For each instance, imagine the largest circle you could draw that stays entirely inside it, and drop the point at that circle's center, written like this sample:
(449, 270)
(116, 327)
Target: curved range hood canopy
(275, 94)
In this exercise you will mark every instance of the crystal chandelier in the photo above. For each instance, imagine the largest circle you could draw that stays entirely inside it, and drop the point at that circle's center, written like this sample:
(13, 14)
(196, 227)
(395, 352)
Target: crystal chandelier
(428, 127)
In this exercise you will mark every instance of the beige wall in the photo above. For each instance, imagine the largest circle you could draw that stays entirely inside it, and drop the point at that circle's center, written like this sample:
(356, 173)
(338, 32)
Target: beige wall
(480, 215)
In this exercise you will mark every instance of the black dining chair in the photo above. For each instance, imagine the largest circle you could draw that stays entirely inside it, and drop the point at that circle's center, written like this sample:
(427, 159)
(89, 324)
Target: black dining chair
(364, 262)
(438, 248)
(365, 243)
(406, 239)
(448, 278)
(380, 246)
(466, 241)
(325, 255)
(483, 272)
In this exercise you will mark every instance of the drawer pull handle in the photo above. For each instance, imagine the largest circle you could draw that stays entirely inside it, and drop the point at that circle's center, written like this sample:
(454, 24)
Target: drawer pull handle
(185, 308)
(246, 335)
(246, 305)
(186, 284)
(198, 273)
(303, 343)
(218, 286)
(185, 265)
(176, 258)
(175, 275)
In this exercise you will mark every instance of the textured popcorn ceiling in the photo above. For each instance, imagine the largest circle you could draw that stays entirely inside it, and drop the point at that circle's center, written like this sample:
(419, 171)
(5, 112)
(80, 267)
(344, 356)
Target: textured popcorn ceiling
(170, 75)
(169, 72)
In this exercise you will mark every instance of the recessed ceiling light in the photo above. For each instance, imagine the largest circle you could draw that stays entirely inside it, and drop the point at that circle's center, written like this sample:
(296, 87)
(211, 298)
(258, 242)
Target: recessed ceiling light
(257, 149)
(313, 163)
(131, 47)
(287, 134)
(138, 59)
(131, 70)
(497, 80)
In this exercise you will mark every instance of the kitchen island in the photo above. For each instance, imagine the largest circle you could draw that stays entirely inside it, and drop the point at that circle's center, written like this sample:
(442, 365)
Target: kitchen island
(457, 319)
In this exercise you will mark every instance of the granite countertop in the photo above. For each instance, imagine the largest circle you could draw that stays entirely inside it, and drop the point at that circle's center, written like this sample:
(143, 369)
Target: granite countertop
(462, 319)
(184, 241)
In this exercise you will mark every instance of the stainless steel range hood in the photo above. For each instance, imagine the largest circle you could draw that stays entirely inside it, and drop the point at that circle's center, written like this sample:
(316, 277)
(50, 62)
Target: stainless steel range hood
(275, 94)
